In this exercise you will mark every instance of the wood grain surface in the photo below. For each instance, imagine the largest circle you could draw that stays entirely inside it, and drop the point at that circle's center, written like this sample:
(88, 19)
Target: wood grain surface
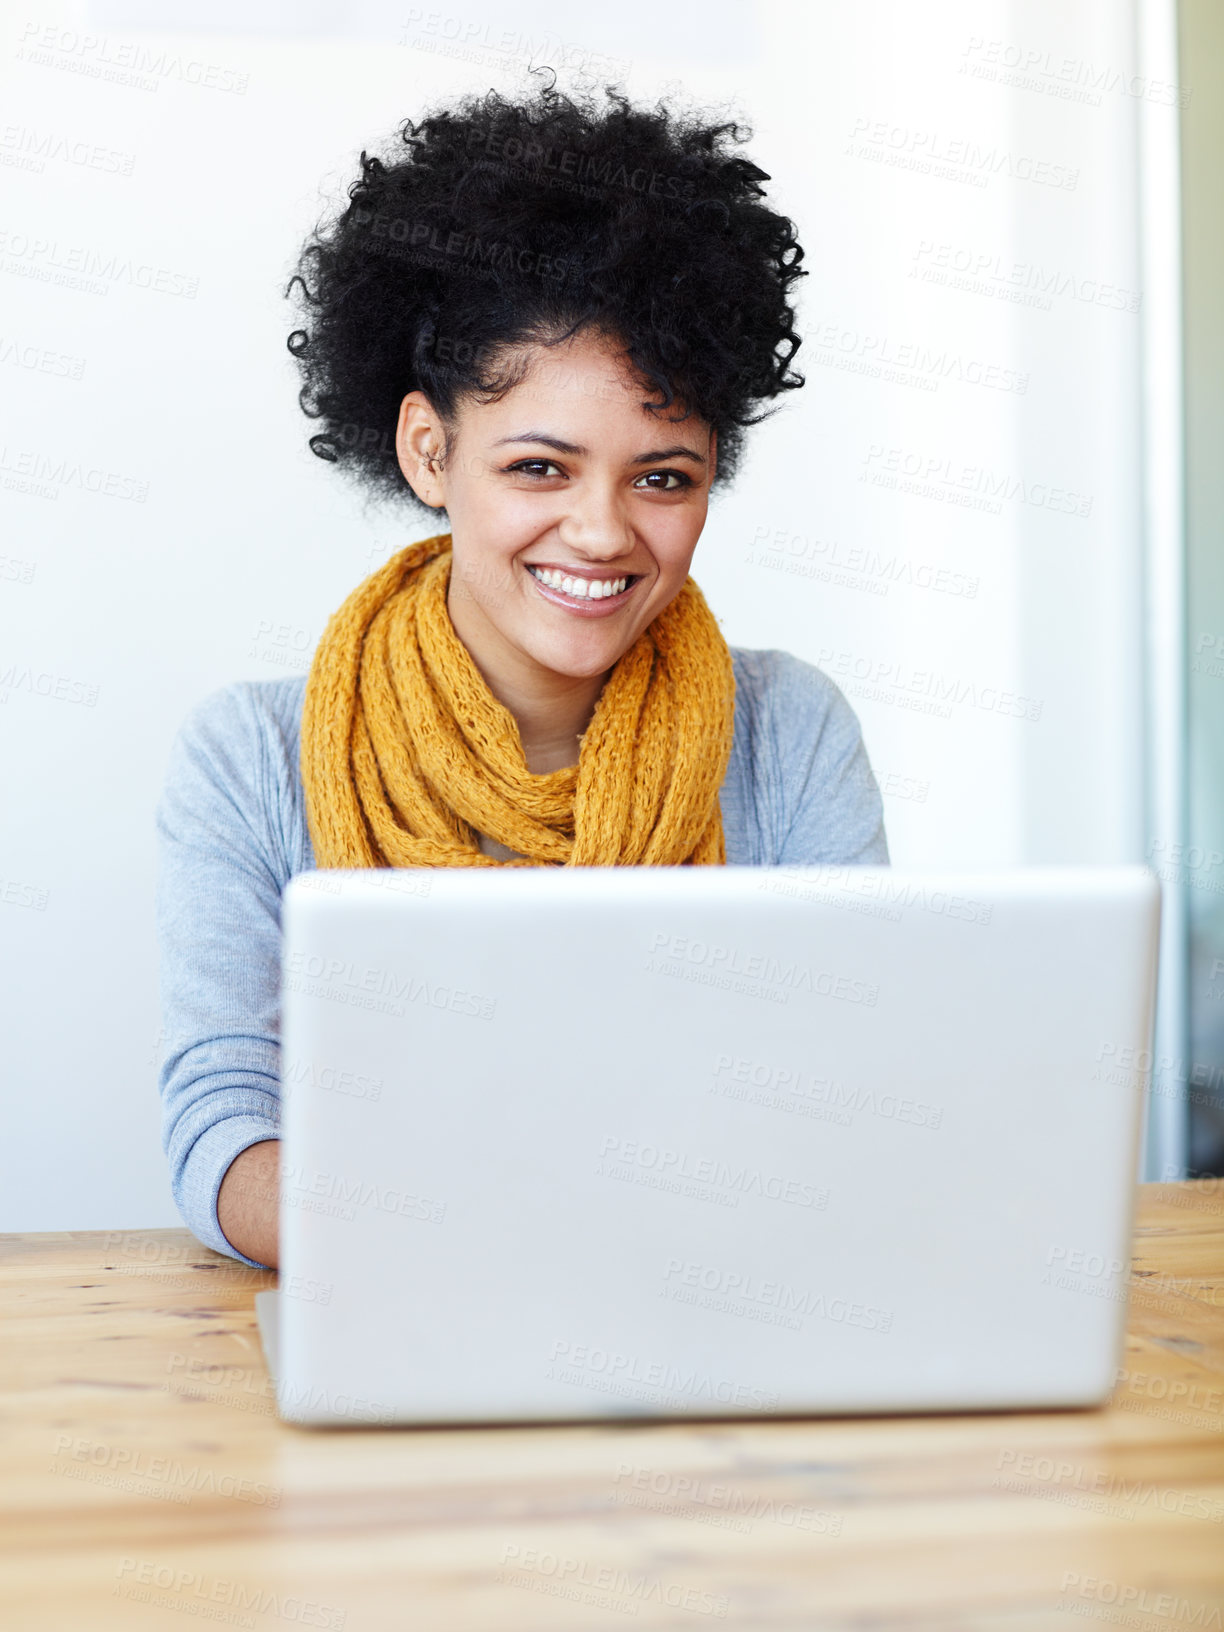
(148, 1483)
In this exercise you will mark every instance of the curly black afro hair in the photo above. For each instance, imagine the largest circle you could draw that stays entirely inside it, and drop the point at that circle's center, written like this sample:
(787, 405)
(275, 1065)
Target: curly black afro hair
(494, 222)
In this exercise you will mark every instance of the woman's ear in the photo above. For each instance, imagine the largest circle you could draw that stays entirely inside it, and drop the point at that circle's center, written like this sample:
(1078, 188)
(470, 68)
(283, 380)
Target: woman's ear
(419, 439)
(713, 455)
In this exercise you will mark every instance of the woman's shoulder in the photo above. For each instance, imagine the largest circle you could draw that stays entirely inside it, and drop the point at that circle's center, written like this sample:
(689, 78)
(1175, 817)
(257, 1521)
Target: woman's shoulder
(766, 669)
(799, 748)
(239, 711)
(233, 765)
(793, 695)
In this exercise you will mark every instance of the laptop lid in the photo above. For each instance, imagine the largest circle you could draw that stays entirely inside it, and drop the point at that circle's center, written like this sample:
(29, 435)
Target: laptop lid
(565, 1143)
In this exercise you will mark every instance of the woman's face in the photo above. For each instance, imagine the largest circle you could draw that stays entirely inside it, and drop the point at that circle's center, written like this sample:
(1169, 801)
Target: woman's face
(567, 474)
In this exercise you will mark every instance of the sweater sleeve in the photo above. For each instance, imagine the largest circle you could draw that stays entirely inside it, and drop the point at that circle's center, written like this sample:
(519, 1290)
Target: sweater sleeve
(831, 811)
(218, 926)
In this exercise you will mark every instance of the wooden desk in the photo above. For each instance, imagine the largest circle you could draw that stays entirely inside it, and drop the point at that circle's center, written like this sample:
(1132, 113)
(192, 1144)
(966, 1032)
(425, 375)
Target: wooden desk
(148, 1483)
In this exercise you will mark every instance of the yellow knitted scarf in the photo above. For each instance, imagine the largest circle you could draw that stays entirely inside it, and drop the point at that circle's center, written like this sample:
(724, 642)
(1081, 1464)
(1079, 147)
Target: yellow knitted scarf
(407, 755)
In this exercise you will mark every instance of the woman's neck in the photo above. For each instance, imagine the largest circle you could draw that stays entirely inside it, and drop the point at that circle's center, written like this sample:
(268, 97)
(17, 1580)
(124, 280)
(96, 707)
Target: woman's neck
(551, 715)
(552, 710)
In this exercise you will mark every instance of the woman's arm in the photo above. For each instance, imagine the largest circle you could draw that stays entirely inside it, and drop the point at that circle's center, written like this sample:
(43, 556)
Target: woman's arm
(219, 826)
(248, 1202)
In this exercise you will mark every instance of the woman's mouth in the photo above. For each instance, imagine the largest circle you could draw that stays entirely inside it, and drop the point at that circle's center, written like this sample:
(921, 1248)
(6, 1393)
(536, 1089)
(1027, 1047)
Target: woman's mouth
(593, 596)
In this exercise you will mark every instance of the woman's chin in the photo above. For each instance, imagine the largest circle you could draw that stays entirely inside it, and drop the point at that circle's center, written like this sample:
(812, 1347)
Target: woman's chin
(580, 656)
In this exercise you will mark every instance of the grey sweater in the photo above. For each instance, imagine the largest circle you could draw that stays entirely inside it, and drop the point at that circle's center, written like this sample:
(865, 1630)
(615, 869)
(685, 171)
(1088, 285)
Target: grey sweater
(231, 830)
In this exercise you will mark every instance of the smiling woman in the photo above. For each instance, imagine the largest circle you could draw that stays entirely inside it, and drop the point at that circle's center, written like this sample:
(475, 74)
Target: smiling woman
(552, 321)
(572, 530)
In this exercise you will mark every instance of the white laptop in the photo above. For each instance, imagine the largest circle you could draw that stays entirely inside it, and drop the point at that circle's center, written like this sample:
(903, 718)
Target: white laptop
(567, 1143)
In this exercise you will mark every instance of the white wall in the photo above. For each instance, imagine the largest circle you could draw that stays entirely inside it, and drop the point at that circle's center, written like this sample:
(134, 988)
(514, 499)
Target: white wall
(893, 139)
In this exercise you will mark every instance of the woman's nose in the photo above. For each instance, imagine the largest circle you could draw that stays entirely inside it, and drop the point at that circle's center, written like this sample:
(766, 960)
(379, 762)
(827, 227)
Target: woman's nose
(596, 520)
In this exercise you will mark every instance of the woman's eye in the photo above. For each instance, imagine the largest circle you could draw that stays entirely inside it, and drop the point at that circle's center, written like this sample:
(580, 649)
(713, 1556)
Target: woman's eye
(661, 481)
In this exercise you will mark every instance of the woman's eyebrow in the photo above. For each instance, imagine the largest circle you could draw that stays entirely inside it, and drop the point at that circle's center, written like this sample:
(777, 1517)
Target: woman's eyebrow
(652, 458)
(678, 452)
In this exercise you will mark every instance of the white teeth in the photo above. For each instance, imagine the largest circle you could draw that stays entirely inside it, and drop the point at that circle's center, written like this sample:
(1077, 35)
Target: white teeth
(580, 588)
